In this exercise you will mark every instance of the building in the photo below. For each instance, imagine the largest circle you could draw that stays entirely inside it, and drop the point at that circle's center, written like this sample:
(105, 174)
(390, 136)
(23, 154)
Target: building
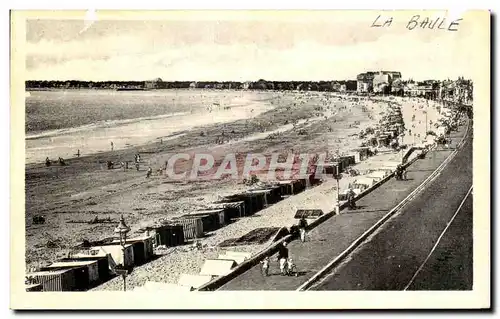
(365, 82)
(154, 84)
(377, 82)
(397, 87)
(426, 89)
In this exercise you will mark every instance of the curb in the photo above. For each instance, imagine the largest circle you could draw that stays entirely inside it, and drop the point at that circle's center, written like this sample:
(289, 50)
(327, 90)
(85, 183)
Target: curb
(403, 203)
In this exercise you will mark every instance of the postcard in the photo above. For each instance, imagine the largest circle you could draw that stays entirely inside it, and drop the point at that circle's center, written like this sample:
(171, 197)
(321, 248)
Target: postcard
(250, 159)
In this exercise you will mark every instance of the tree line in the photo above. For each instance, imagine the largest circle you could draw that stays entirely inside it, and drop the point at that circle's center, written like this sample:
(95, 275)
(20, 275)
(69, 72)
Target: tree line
(349, 85)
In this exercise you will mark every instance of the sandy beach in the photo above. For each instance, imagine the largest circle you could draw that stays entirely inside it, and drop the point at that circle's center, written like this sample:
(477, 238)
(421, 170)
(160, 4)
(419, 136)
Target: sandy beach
(275, 123)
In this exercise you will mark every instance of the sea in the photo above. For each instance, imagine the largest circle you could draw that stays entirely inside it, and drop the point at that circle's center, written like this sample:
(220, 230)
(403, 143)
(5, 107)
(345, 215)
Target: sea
(61, 122)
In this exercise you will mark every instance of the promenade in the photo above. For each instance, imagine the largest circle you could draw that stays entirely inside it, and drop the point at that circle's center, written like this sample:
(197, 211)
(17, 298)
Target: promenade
(333, 236)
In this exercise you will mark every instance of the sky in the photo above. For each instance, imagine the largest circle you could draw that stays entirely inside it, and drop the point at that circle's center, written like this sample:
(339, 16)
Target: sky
(299, 46)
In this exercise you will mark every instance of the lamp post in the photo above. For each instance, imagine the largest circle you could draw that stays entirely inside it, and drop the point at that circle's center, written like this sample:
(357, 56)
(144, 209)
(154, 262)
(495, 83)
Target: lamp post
(337, 176)
(426, 110)
(122, 229)
(401, 146)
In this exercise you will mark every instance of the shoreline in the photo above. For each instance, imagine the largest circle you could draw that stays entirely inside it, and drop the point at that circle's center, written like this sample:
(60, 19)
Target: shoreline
(95, 138)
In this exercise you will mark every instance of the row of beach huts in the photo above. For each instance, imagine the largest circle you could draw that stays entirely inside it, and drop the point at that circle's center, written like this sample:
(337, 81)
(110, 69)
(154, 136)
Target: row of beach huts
(92, 263)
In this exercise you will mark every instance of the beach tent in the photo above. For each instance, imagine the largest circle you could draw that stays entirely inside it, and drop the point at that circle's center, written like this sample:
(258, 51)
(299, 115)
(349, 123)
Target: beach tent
(237, 259)
(194, 281)
(361, 184)
(217, 267)
(239, 253)
(378, 175)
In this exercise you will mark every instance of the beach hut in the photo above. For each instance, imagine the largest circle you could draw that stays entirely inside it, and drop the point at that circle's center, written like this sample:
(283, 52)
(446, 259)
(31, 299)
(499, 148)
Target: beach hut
(328, 169)
(383, 140)
(356, 155)
(233, 209)
(299, 185)
(263, 195)
(102, 264)
(80, 274)
(142, 247)
(90, 275)
(192, 227)
(247, 202)
(117, 255)
(275, 193)
(349, 160)
(195, 281)
(286, 187)
(209, 220)
(166, 235)
(272, 194)
(217, 267)
(54, 280)
(258, 201)
(220, 213)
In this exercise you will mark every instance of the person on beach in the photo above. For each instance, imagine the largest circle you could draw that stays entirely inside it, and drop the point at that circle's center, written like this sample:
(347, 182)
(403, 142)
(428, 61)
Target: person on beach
(47, 162)
(302, 228)
(137, 166)
(150, 171)
(282, 258)
(112, 146)
(78, 153)
(265, 266)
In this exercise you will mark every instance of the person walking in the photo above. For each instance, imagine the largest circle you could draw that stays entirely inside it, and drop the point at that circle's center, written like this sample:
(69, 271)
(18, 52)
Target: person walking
(112, 146)
(302, 228)
(265, 266)
(150, 171)
(282, 258)
(350, 198)
(292, 268)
